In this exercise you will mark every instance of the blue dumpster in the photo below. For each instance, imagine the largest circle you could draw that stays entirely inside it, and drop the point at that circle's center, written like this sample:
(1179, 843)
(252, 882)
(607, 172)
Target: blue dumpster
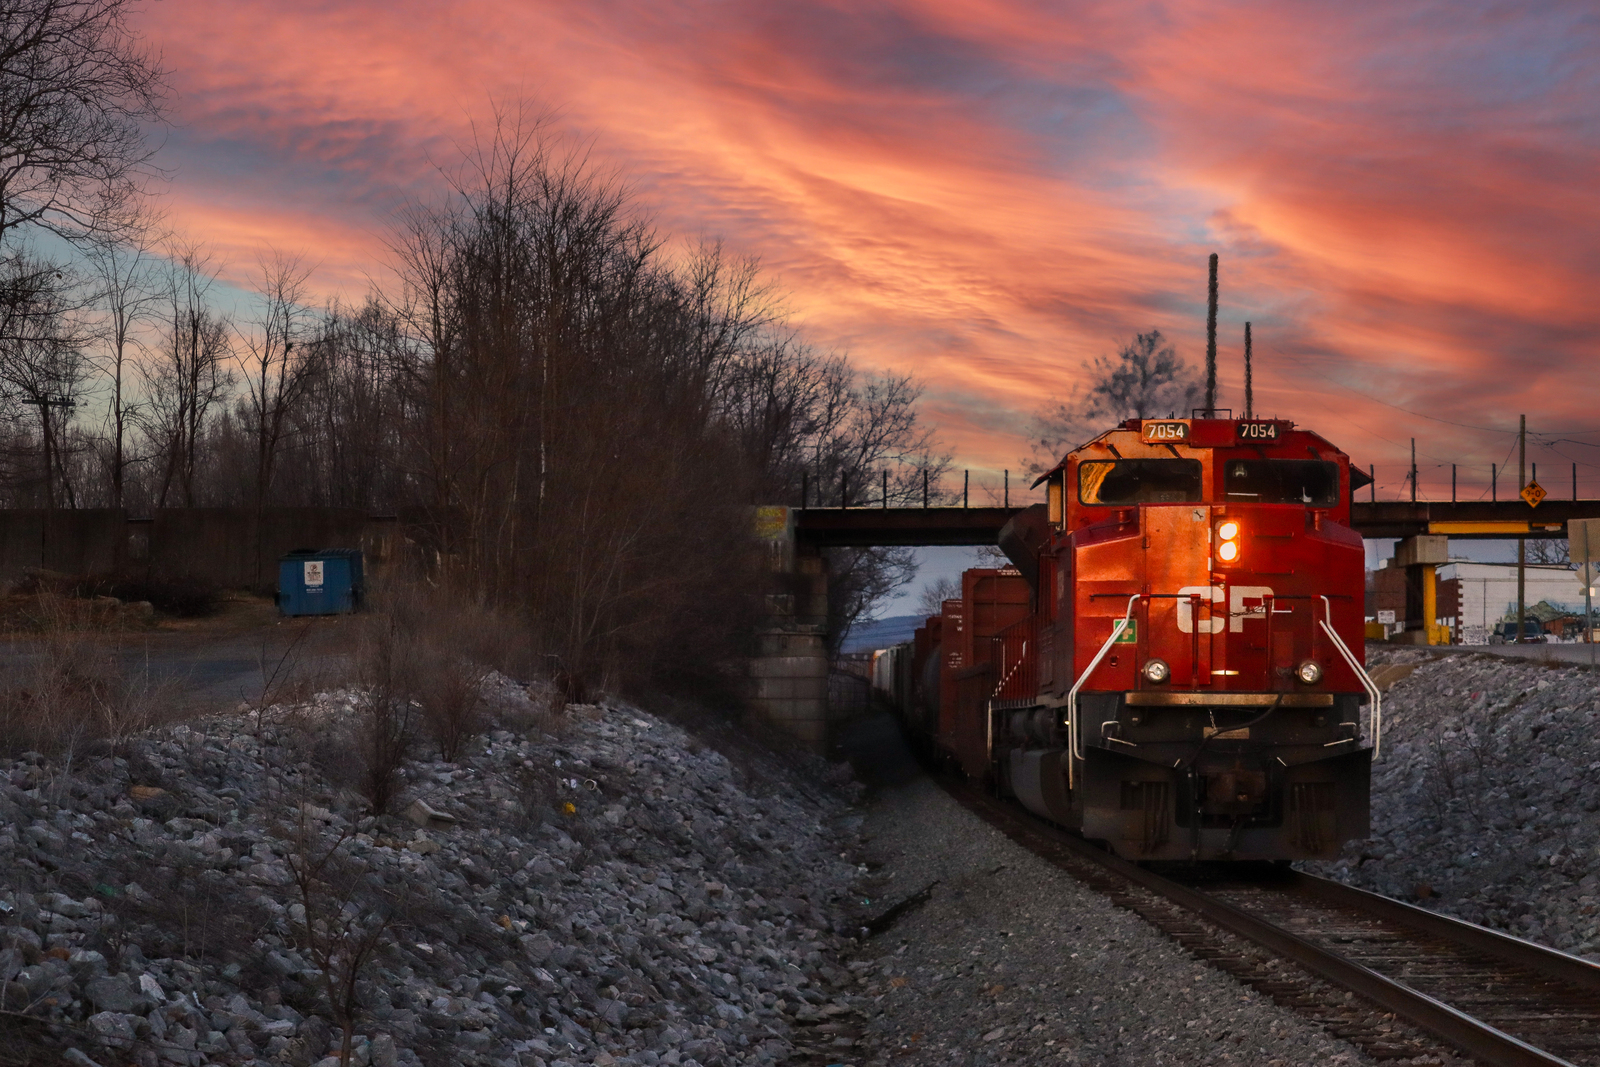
(326, 581)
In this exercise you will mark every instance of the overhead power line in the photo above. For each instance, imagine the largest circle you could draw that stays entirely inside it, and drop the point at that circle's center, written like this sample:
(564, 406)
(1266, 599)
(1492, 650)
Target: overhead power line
(1434, 418)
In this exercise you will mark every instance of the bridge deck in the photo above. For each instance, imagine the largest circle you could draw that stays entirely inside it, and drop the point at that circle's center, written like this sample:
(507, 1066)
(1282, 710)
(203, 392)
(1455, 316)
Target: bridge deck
(1478, 519)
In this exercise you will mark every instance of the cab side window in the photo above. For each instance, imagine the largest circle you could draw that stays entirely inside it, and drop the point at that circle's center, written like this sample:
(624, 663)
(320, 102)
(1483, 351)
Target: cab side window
(1139, 481)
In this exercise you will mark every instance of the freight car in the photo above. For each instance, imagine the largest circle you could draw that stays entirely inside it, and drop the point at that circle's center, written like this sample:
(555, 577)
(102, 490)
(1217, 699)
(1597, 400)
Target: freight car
(1173, 664)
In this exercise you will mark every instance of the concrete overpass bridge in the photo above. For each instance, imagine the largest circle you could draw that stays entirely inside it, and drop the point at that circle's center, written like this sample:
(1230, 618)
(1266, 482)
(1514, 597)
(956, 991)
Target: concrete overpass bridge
(1480, 519)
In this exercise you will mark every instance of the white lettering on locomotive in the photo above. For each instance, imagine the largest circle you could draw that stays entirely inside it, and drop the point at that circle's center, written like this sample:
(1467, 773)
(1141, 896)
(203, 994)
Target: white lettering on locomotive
(1157, 432)
(1212, 593)
(1258, 431)
(1244, 602)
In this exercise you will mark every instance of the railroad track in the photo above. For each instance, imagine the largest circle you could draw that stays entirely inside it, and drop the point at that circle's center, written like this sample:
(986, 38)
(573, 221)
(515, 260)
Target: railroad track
(1396, 981)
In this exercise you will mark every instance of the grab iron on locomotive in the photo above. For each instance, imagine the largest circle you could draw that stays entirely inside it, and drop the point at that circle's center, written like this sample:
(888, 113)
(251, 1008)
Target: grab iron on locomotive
(1173, 662)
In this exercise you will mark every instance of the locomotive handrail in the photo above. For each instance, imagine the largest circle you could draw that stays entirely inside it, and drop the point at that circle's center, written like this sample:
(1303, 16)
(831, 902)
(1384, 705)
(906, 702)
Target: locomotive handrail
(1072, 695)
(1007, 676)
(1375, 711)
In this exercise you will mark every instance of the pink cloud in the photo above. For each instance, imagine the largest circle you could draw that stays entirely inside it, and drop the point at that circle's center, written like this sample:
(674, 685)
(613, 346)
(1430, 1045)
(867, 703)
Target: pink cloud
(989, 194)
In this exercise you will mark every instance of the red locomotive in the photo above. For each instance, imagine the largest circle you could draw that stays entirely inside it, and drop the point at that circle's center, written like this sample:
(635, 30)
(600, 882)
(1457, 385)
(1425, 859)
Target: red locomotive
(1173, 664)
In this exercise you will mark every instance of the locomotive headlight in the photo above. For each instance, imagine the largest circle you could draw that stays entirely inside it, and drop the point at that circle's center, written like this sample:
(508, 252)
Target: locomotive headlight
(1227, 547)
(1309, 672)
(1157, 671)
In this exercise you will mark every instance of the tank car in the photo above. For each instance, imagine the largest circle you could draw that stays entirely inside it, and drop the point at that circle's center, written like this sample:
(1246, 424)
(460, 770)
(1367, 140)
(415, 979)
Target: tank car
(1173, 664)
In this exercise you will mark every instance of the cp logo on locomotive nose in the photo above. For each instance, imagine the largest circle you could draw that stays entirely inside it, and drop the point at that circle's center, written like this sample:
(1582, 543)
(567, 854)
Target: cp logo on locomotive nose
(1244, 602)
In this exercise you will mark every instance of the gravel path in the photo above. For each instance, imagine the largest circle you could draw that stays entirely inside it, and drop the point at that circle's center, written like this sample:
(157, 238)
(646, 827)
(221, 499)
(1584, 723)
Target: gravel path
(1012, 961)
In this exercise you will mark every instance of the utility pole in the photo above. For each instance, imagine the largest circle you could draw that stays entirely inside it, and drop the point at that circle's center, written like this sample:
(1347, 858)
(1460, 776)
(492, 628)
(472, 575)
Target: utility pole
(1249, 393)
(1588, 595)
(1522, 542)
(1211, 341)
(1413, 470)
(47, 437)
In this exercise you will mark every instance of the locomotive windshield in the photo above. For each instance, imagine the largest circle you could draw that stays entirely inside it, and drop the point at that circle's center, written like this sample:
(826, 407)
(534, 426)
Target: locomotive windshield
(1281, 481)
(1139, 481)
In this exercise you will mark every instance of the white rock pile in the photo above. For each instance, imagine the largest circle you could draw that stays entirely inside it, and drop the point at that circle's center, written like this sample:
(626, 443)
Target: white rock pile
(597, 888)
(1485, 800)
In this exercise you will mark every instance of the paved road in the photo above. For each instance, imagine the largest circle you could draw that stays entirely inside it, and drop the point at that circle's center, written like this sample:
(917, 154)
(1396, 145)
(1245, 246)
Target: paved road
(206, 671)
(1565, 653)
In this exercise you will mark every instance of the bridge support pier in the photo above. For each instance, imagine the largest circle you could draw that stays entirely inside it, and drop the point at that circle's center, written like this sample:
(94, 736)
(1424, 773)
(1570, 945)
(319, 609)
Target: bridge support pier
(787, 680)
(1420, 556)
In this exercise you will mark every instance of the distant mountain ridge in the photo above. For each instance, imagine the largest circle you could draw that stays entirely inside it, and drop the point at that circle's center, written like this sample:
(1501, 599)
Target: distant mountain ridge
(881, 633)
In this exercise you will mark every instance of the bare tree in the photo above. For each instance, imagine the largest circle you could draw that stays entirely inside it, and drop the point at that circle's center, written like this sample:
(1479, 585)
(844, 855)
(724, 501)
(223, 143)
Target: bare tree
(935, 593)
(870, 447)
(345, 921)
(190, 376)
(77, 91)
(42, 359)
(1145, 380)
(129, 290)
(563, 378)
(355, 445)
(278, 364)
(1549, 550)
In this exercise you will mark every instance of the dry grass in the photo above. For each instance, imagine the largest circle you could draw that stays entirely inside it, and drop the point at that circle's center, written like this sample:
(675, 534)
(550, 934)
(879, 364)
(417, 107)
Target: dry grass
(72, 688)
(48, 611)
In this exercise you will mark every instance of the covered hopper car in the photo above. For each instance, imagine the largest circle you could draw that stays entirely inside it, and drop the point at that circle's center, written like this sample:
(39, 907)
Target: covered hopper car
(1173, 663)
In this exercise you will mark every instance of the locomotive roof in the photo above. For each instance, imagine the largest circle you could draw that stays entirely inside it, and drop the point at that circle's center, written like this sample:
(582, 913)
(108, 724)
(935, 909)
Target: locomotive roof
(1203, 434)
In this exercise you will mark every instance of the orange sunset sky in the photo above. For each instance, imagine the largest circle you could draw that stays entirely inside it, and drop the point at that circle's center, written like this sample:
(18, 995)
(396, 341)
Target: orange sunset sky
(1404, 195)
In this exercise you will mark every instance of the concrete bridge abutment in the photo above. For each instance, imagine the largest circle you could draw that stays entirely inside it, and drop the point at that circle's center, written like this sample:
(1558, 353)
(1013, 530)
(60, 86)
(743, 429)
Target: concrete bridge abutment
(787, 682)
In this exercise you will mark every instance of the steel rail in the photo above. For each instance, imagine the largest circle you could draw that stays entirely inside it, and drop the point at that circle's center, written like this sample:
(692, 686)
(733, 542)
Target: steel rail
(1550, 962)
(1484, 1043)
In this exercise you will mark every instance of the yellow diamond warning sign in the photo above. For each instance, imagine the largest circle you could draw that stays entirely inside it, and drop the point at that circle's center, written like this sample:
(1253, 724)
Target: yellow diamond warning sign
(1533, 492)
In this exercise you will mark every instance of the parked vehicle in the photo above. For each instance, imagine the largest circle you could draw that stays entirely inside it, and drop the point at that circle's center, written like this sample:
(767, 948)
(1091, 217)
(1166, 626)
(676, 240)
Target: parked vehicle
(1505, 632)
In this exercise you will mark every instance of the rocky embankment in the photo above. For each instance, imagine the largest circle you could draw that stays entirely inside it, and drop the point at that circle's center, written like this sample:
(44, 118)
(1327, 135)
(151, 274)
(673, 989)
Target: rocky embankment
(1484, 801)
(596, 887)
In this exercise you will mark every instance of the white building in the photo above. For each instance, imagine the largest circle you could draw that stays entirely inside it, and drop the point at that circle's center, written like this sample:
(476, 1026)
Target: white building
(1478, 595)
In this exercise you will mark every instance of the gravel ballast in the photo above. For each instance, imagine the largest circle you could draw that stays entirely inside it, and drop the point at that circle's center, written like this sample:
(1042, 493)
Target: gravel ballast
(1013, 961)
(603, 888)
(1485, 800)
(592, 888)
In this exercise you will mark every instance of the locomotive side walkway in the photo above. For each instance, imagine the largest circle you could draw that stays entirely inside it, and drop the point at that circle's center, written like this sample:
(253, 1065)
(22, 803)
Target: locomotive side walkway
(1013, 961)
